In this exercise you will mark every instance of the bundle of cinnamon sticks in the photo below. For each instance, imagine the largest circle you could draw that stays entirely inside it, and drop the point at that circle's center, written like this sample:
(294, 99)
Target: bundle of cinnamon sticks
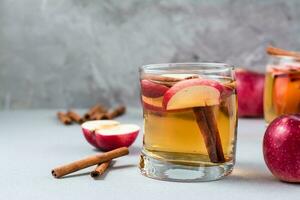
(101, 160)
(96, 112)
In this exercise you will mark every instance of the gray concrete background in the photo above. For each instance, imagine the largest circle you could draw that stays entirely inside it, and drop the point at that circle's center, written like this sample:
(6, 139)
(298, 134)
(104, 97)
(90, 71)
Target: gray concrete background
(64, 53)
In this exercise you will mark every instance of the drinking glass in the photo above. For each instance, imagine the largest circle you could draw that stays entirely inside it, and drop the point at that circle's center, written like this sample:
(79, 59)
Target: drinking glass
(282, 87)
(190, 120)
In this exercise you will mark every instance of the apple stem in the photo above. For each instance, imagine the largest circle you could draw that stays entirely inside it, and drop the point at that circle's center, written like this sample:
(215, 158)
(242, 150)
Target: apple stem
(208, 127)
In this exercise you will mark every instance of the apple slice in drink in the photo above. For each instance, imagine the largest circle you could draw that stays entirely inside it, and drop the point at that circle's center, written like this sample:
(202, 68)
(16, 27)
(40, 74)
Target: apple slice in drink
(178, 77)
(167, 80)
(152, 90)
(193, 93)
(153, 104)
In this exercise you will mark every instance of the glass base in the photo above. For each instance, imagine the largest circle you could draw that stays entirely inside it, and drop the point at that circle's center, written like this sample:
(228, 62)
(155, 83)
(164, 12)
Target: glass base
(164, 170)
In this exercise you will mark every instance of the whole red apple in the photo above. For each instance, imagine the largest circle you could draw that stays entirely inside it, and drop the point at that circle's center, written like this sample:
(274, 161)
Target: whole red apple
(281, 148)
(250, 89)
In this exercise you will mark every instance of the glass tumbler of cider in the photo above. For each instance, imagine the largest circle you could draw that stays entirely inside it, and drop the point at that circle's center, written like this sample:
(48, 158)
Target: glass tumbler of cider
(282, 87)
(190, 121)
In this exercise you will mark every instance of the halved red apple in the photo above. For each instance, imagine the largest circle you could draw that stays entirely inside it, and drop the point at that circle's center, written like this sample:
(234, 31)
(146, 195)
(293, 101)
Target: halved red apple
(152, 90)
(193, 93)
(109, 134)
(122, 135)
(89, 128)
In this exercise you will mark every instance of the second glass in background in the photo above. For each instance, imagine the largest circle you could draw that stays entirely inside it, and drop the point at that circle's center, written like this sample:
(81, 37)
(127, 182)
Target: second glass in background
(282, 87)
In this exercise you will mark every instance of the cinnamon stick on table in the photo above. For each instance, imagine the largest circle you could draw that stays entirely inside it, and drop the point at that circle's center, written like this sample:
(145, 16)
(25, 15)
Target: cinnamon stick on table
(95, 109)
(75, 116)
(115, 113)
(97, 116)
(64, 118)
(208, 126)
(88, 161)
(100, 169)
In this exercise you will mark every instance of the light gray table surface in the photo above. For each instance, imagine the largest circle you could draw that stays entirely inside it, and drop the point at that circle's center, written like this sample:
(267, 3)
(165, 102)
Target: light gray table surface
(33, 142)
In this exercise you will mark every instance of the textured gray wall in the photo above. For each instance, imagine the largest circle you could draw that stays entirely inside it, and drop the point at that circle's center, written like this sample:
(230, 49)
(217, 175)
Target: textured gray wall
(64, 53)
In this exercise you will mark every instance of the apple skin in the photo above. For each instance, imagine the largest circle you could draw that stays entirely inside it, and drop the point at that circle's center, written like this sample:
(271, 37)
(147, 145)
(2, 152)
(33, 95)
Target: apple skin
(90, 137)
(152, 90)
(281, 148)
(250, 91)
(153, 104)
(110, 142)
(104, 135)
(152, 107)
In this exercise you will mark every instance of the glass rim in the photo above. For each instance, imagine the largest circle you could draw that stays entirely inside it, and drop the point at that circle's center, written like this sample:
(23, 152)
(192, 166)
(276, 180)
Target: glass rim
(208, 67)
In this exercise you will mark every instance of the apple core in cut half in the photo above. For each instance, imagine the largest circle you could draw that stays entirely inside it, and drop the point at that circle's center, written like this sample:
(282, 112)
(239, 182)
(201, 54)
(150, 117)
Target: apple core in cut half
(89, 128)
(122, 135)
(193, 93)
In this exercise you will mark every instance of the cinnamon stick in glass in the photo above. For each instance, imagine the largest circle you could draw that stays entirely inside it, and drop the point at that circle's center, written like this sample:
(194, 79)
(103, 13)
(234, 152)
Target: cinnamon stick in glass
(212, 124)
(100, 169)
(208, 127)
(88, 161)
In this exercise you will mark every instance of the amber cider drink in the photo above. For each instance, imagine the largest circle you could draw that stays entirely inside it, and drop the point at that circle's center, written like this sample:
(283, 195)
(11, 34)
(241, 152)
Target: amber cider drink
(282, 89)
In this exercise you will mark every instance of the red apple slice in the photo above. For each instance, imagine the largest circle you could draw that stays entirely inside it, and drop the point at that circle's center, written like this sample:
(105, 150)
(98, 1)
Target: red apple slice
(153, 90)
(193, 93)
(122, 135)
(89, 128)
(153, 104)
